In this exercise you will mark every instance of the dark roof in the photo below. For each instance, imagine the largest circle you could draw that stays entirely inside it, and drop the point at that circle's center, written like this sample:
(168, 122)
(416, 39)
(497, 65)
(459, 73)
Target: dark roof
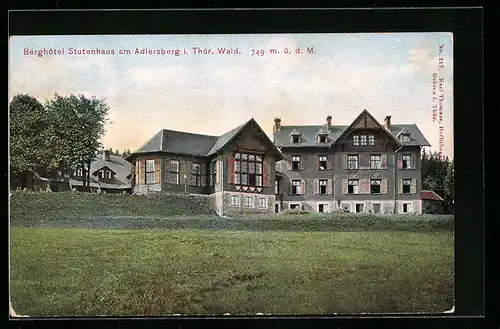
(224, 139)
(117, 164)
(178, 142)
(171, 141)
(430, 195)
(309, 134)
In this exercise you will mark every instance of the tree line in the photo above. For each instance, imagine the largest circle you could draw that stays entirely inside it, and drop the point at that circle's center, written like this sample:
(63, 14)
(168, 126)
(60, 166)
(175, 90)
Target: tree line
(54, 138)
(438, 176)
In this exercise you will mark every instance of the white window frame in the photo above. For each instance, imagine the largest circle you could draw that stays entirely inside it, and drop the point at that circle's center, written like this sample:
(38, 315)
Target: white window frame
(404, 184)
(322, 182)
(297, 186)
(294, 204)
(363, 140)
(371, 140)
(355, 140)
(322, 158)
(379, 185)
(356, 207)
(325, 207)
(377, 162)
(350, 159)
(408, 208)
(235, 200)
(355, 189)
(263, 203)
(247, 203)
(150, 172)
(296, 159)
(406, 161)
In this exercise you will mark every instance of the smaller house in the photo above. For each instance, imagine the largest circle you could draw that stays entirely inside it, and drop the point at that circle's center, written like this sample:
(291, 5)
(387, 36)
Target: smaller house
(432, 203)
(108, 173)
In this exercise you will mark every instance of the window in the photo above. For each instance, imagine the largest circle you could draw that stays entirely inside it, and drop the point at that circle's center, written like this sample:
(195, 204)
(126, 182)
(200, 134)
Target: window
(276, 187)
(78, 172)
(406, 161)
(371, 140)
(353, 186)
(173, 172)
(359, 207)
(248, 169)
(355, 140)
(406, 186)
(375, 162)
(295, 139)
(322, 186)
(294, 206)
(376, 208)
(249, 202)
(322, 208)
(375, 186)
(352, 162)
(296, 187)
(105, 174)
(322, 162)
(196, 174)
(296, 163)
(405, 138)
(150, 172)
(322, 138)
(213, 172)
(406, 207)
(235, 200)
(262, 202)
(363, 140)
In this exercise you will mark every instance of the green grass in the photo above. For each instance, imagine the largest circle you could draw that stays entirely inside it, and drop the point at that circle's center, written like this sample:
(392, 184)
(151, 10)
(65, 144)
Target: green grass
(77, 271)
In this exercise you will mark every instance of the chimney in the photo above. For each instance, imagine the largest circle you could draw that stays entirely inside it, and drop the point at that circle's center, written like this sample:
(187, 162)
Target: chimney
(328, 122)
(277, 124)
(105, 155)
(387, 121)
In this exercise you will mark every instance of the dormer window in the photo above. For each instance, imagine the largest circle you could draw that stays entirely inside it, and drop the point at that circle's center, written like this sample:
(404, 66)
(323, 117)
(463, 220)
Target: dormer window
(405, 138)
(295, 137)
(322, 138)
(105, 174)
(78, 172)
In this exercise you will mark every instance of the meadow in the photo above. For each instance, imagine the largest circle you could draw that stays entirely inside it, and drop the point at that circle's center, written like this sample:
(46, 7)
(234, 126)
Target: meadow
(66, 262)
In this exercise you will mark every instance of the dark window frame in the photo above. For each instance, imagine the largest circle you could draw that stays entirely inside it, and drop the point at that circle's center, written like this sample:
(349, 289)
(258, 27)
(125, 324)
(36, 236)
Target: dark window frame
(173, 176)
(243, 161)
(148, 174)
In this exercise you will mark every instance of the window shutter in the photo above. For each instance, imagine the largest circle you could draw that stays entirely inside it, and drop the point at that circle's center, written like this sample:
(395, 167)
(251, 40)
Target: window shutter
(413, 164)
(364, 187)
(303, 187)
(344, 161)
(303, 162)
(217, 172)
(289, 162)
(255, 202)
(316, 186)
(157, 171)
(400, 161)
(383, 186)
(142, 173)
(290, 186)
(137, 165)
(364, 161)
(344, 186)
(329, 187)
(383, 161)
(413, 186)
(316, 162)
(329, 162)
(400, 186)
(203, 174)
(230, 178)
(182, 171)
(266, 175)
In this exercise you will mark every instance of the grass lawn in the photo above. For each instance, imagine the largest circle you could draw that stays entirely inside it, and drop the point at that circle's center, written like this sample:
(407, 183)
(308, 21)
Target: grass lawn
(80, 271)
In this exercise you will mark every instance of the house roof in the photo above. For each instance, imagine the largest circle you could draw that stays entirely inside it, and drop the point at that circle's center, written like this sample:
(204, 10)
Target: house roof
(117, 164)
(171, 141)
(309, 134)
(430, 195)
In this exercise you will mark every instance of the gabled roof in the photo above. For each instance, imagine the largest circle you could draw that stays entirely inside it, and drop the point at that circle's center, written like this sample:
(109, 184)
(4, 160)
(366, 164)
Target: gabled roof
(403, 131)
(323, 131)
(310, 132)
(117, 164)
(178, 142)
(295, 132)
(430, 195)
(171, 141)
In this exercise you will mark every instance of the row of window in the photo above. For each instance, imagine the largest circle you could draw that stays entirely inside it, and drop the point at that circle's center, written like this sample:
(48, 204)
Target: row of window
(103, 173)
(352, 188)
(363, 140)
(248, 202)
(352, 162)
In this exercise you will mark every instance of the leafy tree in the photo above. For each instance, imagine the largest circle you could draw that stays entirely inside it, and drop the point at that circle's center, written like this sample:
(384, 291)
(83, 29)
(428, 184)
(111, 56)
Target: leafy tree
(28, 145)
(449, 185)
(77, 125)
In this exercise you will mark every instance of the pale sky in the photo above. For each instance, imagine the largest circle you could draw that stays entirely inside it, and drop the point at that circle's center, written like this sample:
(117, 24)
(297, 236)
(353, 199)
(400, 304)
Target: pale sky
(386, 73)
